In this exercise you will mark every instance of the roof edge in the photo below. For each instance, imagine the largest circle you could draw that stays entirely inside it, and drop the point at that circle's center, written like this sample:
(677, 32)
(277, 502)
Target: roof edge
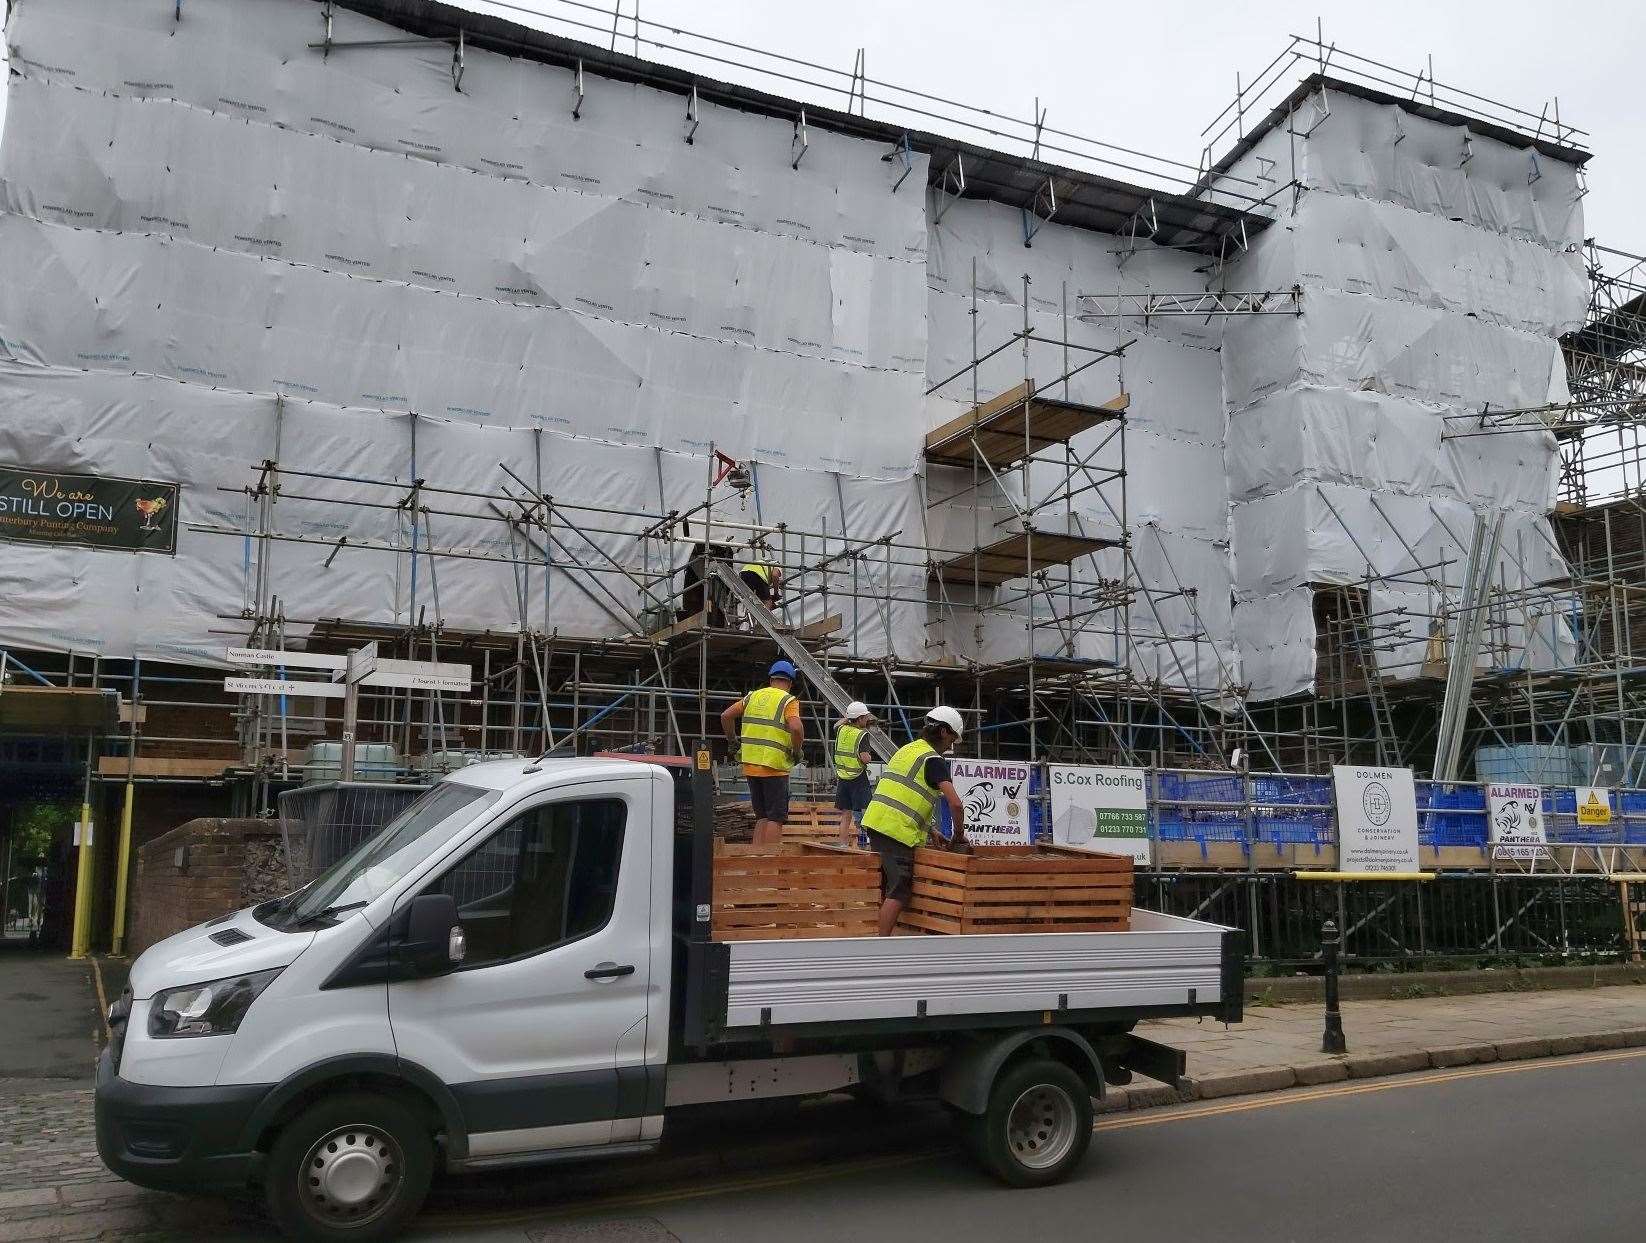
(1094, 202)
(1576, 156)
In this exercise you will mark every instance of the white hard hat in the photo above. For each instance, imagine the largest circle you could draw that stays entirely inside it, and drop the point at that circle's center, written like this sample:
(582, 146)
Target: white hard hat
(946, 716)
(856, 709)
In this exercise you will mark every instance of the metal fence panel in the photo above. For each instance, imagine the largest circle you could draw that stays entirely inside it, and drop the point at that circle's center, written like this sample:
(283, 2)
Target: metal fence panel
(321, 823)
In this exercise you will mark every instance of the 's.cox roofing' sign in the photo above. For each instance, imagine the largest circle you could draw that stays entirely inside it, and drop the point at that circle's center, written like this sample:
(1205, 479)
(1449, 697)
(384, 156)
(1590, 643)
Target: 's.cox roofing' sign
(93, 511)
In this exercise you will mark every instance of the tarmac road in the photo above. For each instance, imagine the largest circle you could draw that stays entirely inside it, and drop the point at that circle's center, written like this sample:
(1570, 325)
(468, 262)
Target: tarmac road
(1549, 1150)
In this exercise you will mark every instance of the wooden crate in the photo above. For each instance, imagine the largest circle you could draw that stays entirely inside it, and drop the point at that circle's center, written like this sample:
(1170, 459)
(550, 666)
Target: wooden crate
(1019, 889)
(817, 823)
(766, 893)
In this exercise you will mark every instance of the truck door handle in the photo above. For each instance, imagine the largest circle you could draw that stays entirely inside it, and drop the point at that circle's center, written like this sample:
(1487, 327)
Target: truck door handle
(608, 971)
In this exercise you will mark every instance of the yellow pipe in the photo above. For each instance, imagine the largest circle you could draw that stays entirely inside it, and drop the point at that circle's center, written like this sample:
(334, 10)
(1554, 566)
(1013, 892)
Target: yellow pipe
(123, 867)
(81, 944)
(1364, 875)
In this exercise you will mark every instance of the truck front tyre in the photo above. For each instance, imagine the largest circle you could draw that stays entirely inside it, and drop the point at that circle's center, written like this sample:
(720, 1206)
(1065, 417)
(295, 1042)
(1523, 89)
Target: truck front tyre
(1037, 1126)
(355, 1167)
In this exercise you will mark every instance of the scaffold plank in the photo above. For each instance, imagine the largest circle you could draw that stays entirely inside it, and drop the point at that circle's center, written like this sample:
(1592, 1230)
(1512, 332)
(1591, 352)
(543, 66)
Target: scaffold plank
(1010, 557)
(1015, 425)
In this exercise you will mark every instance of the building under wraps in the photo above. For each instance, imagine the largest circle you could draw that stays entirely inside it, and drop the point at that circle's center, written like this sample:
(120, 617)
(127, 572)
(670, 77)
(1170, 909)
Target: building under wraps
(410, 324)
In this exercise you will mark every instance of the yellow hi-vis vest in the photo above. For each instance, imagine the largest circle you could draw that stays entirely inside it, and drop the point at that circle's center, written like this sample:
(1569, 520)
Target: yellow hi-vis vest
(903, 805)
(760, 568)
(847, 749)
(764, 733)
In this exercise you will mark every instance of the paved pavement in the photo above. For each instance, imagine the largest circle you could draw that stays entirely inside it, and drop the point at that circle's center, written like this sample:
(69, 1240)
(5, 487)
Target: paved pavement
(49, 1017)
(1278, 1046)
(52, 1186)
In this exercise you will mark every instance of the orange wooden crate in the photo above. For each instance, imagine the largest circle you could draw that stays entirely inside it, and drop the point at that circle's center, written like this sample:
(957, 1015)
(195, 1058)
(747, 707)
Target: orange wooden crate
(815, 822)
(783, 892)
(1019, 889)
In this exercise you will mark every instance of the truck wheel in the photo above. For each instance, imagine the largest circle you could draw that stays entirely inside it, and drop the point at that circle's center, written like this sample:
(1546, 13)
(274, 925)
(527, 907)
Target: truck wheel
(1037, 1126)
(355, 1167)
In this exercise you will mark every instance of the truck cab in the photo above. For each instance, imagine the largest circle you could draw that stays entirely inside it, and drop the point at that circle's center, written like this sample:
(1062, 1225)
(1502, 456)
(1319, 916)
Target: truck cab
(495, 964)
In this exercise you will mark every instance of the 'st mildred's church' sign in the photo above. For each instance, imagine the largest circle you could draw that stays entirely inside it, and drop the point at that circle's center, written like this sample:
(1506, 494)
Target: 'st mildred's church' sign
(95, 511)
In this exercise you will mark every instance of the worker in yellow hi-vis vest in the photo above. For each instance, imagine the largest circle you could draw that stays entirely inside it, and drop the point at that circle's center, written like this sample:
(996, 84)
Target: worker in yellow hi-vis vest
(766, 726)
(765, 580)
(851, 769)
(903, 808)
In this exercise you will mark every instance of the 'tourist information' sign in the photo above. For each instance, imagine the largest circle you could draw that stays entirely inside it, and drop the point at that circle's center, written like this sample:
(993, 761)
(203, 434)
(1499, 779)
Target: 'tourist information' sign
(94, 511)
(1103, 809)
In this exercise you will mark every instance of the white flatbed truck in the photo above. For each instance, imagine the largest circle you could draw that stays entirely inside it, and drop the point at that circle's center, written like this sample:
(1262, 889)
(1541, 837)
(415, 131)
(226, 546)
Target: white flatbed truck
(519, 969)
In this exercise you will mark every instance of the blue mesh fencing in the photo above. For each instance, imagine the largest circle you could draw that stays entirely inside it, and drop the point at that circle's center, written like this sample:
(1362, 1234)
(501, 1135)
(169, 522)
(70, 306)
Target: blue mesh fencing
(1450, 814)
(1288, 809)
(1199, 807)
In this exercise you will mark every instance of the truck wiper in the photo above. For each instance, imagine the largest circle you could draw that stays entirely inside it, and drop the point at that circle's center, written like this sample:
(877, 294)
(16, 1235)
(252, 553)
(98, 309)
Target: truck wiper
(331, 912)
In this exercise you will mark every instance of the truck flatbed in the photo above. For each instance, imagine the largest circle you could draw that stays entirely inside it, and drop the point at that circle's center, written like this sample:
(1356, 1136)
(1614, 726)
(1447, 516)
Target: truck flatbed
(740, 992)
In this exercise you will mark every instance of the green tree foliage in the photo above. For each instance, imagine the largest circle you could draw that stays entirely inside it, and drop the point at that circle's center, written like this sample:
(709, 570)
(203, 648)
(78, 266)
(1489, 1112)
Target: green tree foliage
(34, 825)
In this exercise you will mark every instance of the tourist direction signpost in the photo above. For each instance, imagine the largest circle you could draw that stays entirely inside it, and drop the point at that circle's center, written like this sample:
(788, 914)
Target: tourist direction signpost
(362, 666)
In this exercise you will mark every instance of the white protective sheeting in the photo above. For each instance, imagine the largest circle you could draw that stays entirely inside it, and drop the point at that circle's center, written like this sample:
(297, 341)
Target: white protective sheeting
(591, 301)
(609, 279)
(223, 247)
(1380, 151)
(1363, 343)
(1434, 287)
(1386, 445)
(1346, 145)
(213, 440)
(1343, 244)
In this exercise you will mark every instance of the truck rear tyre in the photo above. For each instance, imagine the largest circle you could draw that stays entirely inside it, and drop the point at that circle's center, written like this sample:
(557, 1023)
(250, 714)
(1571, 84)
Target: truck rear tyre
(1037, 1126)
(355, 1167)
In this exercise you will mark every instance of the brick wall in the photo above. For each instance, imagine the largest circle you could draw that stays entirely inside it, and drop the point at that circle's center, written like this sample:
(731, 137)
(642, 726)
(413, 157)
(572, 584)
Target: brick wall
(202, 869)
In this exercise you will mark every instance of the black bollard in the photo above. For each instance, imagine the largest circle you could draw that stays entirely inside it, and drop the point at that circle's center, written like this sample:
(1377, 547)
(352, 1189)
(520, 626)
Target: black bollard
(1331, 1041)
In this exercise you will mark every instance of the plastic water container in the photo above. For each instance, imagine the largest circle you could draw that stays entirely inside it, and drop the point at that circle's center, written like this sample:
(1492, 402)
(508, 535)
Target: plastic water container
(1527, 764)
(373, 761)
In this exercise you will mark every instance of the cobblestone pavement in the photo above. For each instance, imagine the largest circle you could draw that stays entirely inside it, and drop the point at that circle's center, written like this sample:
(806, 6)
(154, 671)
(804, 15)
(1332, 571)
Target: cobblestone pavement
(52, 1185)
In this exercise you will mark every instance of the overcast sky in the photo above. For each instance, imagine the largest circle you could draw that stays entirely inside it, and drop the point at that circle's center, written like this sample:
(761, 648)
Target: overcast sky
(1151, 77)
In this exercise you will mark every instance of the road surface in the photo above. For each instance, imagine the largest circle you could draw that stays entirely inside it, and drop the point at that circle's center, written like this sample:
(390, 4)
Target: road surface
(1549, 1150)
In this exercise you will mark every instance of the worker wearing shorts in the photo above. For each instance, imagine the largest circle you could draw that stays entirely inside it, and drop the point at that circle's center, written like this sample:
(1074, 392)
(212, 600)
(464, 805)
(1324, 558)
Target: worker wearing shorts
(851, 770)
(904, 807)
(765, 725)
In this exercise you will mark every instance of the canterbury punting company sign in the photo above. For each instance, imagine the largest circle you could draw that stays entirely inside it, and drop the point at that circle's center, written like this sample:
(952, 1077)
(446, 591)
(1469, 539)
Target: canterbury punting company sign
(95, 511)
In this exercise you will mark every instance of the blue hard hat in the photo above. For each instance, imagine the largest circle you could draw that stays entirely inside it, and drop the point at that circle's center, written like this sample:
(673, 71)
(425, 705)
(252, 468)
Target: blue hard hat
(781, 669)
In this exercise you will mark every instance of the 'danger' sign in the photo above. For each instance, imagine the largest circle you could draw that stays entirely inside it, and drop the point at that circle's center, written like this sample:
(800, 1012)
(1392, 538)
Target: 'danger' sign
(93, 511)
(1594, 805)
(995, 795)
(1102, 809)
(1376, 819)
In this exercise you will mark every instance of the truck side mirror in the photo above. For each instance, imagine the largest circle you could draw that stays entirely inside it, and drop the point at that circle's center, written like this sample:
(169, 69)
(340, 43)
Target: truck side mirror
(433, 940)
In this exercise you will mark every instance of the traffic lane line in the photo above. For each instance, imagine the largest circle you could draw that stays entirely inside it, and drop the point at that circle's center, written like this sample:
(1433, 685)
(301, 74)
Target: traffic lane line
(1161, 1117)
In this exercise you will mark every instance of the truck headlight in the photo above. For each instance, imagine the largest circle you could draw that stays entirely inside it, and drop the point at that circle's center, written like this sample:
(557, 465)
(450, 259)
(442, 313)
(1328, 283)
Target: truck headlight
(213, 1009)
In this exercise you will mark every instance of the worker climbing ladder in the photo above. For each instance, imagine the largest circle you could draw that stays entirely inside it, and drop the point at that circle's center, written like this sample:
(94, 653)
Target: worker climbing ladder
(836, 695)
